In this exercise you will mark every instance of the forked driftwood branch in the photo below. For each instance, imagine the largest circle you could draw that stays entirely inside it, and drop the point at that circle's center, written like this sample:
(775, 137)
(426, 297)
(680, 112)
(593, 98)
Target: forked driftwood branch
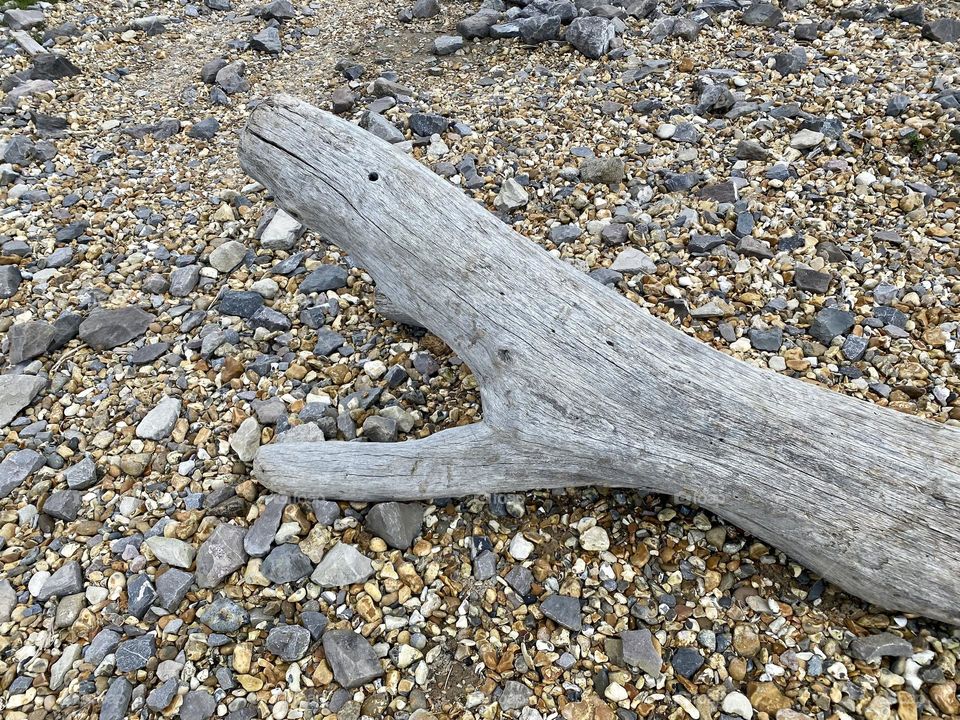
(582, 387)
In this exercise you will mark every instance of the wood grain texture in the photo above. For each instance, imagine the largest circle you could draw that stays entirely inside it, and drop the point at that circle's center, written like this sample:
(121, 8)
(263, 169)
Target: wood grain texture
(581, 386)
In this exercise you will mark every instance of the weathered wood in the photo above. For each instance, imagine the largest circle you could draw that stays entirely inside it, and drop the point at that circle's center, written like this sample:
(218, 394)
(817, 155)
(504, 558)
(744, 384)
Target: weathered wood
(581, 386)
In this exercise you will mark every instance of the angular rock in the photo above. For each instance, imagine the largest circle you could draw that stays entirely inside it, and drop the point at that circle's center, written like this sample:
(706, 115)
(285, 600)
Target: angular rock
(20, 19)
(197, 705)
(68, 580)
(116, 701)
(226, 257)
(811, 280)
(563, 610)
(10, 279)
(427, 124)
(260, 535)
(220, 555)
(478, 25)
(639, 651)
(605, 170)
(288, 642)
(172, 551)
(286, 563)
(830, 322)
(447, 44)
(324, 278)
(512, 196)
(104, 643)
(282, 232)
(634, 261)
(381, 127)
(183, 280)
(136, 653)
(162, 695)
(52, 66)
(172, 587)
(397, 524)
(351, 658)
(591, 36)
(206, 129)
(870, 649)
(63, 504)
(342, 565)
(942, 30)
(267, 40)
(140, 595)
(539, 28)
(686, 661)
(762, 14)
(159, 422)
(769, 340)
(105, 329)
(514, 696)
(223, 615)
(16, 393)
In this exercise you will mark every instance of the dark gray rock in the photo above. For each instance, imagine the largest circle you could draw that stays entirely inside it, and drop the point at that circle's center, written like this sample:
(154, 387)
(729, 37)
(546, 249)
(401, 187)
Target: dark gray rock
(397, 524)
(241, 303)
(183, 280)
(854, 347)
(52, 66)
(769, 340)
(206, 129)
(539, 28)
(485, 566)
(614, 234)
(270, 319)
(477, 25)
(788, 63)
(315, 622)
(103, 643)
(563, 610)
(343, 100)
(703, 244)
(806, 32)
(514, 696)
(427, 124)
(520, 579)
(116, 700)
(68, 580)
(686, 661)
(327, 342)
(325, 277)
(870, 649)
(63, 504)
(163, 695)
(260, 535)
(426, 9)
(504, 31)
(286, 563)
(105, 329)
(220, 555)
(140, 595)
(942, 30)
(351, 658)
(591, 36)
(208, 73)
(82, 475)
(28, 340)
(561, 234)
(377, 428)
(896, 105)
(762, 14)
(197, 705)
(890, 316)
(288, 642)
(448, 44)
(23, 19)
(16, 467)
(172, 587)
(10, 279)
(830, 322)
(221, 5)
(811, 280)
(715, 99)
(277, 10)
(223, 615)
(136, 653)
(381, 127)
(66, 328)
(723, 192)
(267, 40)
(230, 78)
(639, 651)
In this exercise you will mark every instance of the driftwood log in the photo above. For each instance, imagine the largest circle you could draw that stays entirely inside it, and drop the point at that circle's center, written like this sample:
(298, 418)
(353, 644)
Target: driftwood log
(582, 387)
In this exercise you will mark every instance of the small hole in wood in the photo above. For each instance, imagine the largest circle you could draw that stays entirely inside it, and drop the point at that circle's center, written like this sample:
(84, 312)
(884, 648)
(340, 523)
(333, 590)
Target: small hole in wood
(374, 176)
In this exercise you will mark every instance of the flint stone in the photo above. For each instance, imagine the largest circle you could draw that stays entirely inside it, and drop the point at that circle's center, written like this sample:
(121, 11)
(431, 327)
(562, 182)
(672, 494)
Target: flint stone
(18, 19)
(351, 657)
(343, 565)
(52, 66)
(477, 25)
(288, 642)
(634, 261)
(267, 40)
(140, 595)
(943, 30)
(282, 232)
(515, 696)
(223, 615)
(591, 36)
(197, 705)
(830, 322)
(63, 504)
(16, 467)
(28, 340)
(381, 127)
(104, 643)
(324, 278)
(220, 555)
(159, 422)
(769, 340)
(811, 280)
(537, 29)
(397, 524)
(871, 649)
(427, 124)
(105, 329)
(563, 610)
(226, 257)
(447, 44)
(162, 695)
(10, 279)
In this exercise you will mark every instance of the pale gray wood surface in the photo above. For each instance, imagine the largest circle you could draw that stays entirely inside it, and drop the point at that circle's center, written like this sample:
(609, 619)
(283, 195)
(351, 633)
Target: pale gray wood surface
(581, 386)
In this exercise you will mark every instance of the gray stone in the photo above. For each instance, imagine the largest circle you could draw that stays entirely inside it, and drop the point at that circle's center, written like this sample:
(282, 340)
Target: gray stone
(703, 244)
(223, 615)
(220, 555)
(282, 232)
(854, 346)
(942, 30)
(563, 610)
(896, 105)
(63, 504)
(267, 40)
(246, 440)
(230, 78)
(172, 587)
(397, 524)
(116, 701)
(751, 150)
(478, 25)
(227, 256)
(561, 234)
(870, 649)
(288, 642)
(715, 99)
(28, 340)
(631, 260)
(172, 551)
(52, 66)
(158, 423)
(811, 280)
(724, 192)
(16, 467)
(806, 32)
(342, 565)
(327, 342)
(788, 63)
(270, 319)
(327, 512)
(426, 8)
(197, 705)
(241, 303)
(615, 234)
(162, 695)
(183, 280)
(10, 279)
(830, 322)
(762, 14)
(20, 19)
(260, 535)
(352, 660)
(342, 99)
(8, 600)
(324, 278)
(206, 129)
(913, 14)
(208, 73)
(427, 124)
(315, 622)
(277, 10)
(140, 595)
(381, 127)
(105, 329)
(447, 44)
(377, 428)
(686, 661)
(539, 28)
(136, 653)
(286, 563)
(591, 36)
(485, 566)
(514, 696)
(752, 247)
(607, 170)
(68, 580)
(103, 643)
(768, 340)
(520, 579)
(639, 651)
